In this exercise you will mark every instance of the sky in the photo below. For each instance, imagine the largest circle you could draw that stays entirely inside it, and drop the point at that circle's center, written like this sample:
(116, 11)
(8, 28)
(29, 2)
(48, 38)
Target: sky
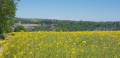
(85, 10)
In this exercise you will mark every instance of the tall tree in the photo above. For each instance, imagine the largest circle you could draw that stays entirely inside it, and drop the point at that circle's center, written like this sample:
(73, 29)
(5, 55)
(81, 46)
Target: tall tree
(7, 13)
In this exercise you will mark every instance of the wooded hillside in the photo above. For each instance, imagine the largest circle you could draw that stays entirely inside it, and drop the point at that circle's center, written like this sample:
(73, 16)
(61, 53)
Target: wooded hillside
(67, 25)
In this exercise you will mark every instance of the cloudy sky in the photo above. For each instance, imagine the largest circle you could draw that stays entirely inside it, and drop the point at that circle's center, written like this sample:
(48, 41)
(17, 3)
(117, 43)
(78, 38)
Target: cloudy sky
(86, 10)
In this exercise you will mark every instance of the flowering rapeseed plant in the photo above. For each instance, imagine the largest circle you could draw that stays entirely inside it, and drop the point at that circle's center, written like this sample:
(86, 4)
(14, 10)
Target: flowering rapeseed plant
(82, 44)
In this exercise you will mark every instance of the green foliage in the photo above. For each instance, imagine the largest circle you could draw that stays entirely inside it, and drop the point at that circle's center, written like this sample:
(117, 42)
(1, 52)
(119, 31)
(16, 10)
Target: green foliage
(19, 28)
(2, 36)
(89, 26)
(7, 13)
(8, 30)
(74, 25)
(35, 21)
(12, 21)
(42, 28)
(61, 29)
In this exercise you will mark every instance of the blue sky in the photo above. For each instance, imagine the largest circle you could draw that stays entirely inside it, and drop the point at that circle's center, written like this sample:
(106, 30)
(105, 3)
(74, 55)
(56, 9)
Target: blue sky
(86, 10)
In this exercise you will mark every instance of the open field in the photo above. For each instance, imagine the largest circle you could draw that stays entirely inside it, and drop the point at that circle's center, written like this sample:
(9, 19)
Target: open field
(82, 44)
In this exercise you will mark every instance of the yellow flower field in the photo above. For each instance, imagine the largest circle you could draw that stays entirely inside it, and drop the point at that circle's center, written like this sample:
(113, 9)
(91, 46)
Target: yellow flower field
(81, 44)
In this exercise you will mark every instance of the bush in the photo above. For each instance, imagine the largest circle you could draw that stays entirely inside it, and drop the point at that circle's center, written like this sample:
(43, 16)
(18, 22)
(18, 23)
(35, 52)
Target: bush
(9, 30)
(2, 36)
(19, 28)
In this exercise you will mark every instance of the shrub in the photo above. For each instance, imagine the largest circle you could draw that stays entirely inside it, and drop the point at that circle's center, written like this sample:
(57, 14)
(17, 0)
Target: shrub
(2, 36)
(19, 28)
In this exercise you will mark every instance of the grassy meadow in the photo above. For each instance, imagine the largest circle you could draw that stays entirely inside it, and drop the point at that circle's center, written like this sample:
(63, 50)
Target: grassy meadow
(80, 44)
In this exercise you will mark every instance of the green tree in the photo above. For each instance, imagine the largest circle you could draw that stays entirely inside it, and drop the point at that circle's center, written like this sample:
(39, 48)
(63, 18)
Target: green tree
(19, 28)
(7, 13)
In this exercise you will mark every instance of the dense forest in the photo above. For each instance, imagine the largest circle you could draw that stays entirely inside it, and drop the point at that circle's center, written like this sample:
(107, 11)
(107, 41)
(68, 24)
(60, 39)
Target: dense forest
(67, 25)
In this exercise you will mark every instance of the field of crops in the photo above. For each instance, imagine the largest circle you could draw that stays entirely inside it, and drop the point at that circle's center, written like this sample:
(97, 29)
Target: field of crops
(43, 44)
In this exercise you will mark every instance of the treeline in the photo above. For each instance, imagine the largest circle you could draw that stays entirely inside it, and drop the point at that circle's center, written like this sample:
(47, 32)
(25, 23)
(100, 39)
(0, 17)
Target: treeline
(67, 25)
(35, 21)
(89, 26)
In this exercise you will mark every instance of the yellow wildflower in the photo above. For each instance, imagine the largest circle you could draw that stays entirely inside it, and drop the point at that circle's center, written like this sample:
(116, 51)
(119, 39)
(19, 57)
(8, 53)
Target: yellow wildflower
(84, 42)
(82, 50)
(31, 52)
(12, 45)
(28, 44)
(119, 43)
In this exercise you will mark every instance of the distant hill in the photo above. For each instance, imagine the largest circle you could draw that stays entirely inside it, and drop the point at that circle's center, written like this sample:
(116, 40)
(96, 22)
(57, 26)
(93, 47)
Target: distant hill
(67, 25)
